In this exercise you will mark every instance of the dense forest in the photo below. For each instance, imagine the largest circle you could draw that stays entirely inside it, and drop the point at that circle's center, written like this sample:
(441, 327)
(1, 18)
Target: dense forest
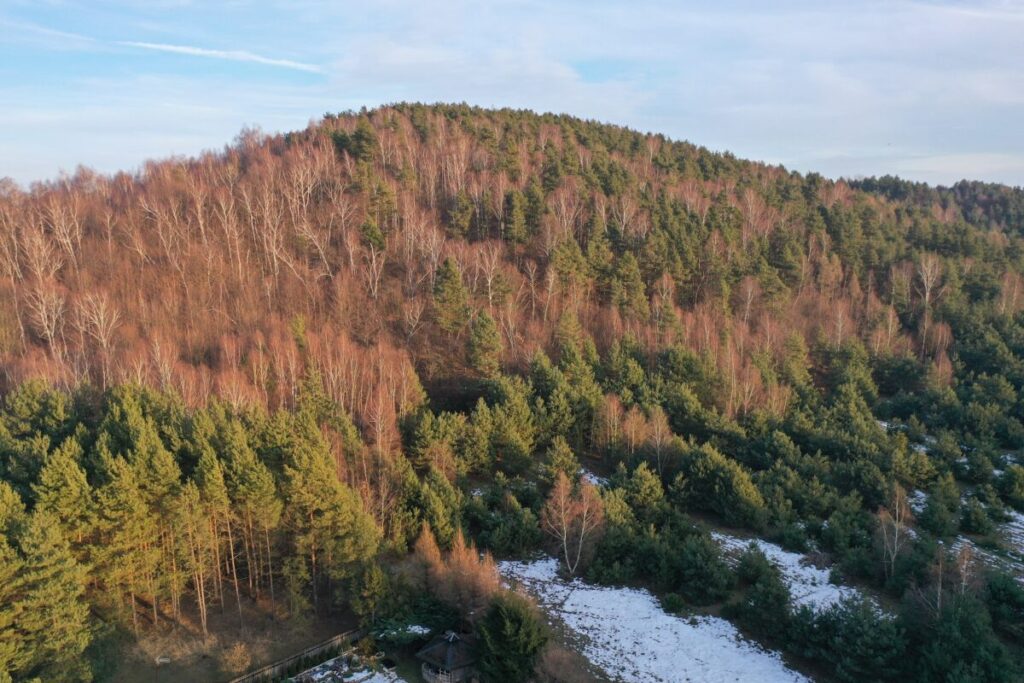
(342, 369)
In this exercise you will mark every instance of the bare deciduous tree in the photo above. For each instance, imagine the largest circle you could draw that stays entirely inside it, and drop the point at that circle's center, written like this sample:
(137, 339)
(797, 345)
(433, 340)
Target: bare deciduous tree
(574, 519)
(894, 521)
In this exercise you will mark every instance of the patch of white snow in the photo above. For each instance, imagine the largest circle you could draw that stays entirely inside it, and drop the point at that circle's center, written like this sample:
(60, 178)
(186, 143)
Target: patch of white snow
(917, 500)
(625, 632)
(807, 584)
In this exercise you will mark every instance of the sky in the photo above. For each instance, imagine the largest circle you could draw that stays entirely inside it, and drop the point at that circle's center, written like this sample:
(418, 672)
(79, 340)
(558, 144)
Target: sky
(931, 90)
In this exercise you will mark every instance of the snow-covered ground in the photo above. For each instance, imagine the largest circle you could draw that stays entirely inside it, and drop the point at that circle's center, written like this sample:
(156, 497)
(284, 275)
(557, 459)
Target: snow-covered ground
(1011, 533)
(1013, 536)
(808, 584)
(594, 479)
(626, 633)
(411, 630)
(342, 670)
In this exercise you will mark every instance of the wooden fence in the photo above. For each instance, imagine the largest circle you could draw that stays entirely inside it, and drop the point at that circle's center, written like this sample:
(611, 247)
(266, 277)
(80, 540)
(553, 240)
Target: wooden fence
(277, 669)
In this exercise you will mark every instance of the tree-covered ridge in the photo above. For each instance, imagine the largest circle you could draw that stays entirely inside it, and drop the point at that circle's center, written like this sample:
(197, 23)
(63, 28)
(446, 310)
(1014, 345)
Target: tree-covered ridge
(191, 271)
(261, 375)
(984, 204)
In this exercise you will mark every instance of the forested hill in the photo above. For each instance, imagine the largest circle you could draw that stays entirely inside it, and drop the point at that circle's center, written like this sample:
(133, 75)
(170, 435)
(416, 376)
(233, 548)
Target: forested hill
(271, 366)
(190, 273)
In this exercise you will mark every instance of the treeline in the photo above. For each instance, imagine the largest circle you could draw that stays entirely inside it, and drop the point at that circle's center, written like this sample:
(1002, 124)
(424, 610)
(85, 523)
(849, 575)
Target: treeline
(987, 204)
(138, 510)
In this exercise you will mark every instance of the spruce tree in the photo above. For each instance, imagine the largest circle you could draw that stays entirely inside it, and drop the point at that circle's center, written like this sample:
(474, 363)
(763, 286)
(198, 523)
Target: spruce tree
(440, 503)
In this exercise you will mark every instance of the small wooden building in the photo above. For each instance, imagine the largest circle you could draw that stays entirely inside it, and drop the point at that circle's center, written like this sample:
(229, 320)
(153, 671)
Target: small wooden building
(449, 658)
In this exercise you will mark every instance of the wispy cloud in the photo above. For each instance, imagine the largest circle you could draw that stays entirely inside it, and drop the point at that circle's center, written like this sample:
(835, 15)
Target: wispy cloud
(230, 55)
(25, 30)
(925, 88)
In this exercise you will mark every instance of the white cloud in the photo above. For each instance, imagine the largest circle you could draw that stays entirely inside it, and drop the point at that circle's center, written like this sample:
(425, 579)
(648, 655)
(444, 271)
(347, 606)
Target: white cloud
(968, 165)
(844, 89)
(230, 55)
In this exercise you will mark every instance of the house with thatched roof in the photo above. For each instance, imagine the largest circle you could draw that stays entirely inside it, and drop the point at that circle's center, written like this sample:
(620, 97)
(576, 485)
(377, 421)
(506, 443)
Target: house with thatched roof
(449, 658)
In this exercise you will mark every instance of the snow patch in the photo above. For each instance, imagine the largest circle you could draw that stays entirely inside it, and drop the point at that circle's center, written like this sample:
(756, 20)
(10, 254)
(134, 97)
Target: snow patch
(410, 630)
(1013, 532)
(917, 500)
(808, 585)
(625, 632)
(593, 478)
(341, 670)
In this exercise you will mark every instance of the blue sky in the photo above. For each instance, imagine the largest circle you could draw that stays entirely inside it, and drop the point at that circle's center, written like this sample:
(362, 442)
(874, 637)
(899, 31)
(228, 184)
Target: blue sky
(929, 90)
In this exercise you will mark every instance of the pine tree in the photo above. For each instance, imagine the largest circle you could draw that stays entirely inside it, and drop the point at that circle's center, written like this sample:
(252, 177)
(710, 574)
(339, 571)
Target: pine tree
(13, 651)
(511, 638)
(326, 518)
(628, 291)
(484, 345)
(369, 591)
(371, 234)
(126, 556)
(33, 408)
(536, 207)
(552, 170)
(515, 227)
(50, 611)
(295, 572)
(451, 302)
(254, 500)
(213, 493)
(459, 217)
(63, 491)
(560, 460)
(198, 545)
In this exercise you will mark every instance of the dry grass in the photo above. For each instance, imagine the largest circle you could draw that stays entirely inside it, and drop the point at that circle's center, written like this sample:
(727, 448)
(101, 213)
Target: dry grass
(220, 656)
(559, 664)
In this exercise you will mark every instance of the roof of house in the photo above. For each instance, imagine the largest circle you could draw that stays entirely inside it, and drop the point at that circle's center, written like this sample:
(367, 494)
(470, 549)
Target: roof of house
(450, 651)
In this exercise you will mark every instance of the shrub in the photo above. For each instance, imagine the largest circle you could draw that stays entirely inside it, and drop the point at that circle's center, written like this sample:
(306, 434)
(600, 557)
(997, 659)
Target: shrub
(764, 608)
(694, 568)
(1004, 597)
(975, 519)
(511, 637)
(236, 659)
(673, 602)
